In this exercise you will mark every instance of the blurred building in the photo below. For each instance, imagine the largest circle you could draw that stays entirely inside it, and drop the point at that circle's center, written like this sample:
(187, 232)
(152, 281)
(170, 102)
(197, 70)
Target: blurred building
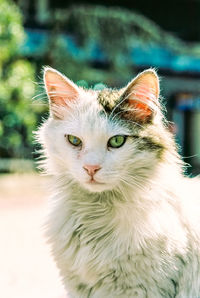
(177, 61)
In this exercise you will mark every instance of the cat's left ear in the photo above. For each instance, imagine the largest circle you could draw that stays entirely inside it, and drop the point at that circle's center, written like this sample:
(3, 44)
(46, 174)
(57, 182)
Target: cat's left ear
(60, 90)
(141, 96)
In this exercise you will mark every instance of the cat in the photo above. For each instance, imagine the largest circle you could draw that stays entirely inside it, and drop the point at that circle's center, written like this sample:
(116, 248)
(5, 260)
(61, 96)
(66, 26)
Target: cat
(124, 219)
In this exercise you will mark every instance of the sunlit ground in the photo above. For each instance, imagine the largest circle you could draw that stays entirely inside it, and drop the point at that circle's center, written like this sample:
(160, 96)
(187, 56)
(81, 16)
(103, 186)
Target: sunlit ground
(26, 267)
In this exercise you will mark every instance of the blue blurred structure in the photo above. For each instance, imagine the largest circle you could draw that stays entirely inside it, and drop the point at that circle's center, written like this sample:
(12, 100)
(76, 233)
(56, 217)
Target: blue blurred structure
(140, 54)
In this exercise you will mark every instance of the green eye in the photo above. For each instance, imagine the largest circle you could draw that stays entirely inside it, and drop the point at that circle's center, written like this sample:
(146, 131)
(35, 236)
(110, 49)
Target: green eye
(116, 141)
(74, 140)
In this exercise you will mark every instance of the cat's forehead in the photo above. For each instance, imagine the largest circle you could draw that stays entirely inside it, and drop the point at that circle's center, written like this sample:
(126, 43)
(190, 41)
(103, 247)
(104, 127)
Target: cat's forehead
(97, 123)
(90, 117)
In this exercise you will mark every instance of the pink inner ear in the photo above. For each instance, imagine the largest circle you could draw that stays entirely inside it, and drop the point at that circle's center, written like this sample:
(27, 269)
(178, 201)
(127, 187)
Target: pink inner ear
(143, 95)
(59, 90)
(141, 98)
(144, 91)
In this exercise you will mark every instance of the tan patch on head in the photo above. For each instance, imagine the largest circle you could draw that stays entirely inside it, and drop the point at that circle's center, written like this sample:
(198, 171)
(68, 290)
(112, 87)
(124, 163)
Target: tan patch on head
(109, 98)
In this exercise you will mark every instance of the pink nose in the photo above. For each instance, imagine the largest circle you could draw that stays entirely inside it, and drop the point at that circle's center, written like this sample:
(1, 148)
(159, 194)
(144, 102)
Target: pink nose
(91, 169)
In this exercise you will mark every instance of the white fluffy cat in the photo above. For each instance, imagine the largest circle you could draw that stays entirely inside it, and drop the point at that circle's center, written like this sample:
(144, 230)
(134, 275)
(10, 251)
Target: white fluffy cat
(125, 222)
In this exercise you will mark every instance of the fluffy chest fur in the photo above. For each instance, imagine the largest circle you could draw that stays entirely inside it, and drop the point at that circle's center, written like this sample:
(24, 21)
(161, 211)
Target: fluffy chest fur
(108, 247)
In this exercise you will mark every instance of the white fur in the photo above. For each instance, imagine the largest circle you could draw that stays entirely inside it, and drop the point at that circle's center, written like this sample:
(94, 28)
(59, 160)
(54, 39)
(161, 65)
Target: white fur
(137, 232)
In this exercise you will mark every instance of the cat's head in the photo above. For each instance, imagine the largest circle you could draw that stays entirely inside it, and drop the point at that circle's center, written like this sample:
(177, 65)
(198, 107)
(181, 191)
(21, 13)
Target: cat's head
(105, 139)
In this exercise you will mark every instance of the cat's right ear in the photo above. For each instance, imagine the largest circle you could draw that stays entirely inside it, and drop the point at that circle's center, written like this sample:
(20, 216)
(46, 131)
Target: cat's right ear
(141, 97)
(60, 91)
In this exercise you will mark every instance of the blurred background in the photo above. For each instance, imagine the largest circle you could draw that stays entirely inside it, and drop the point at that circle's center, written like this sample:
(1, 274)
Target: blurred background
(94, 43)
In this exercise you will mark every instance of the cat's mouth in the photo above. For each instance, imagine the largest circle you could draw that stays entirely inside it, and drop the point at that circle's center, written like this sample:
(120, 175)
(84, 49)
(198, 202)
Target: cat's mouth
(93, 181)
(96, 186)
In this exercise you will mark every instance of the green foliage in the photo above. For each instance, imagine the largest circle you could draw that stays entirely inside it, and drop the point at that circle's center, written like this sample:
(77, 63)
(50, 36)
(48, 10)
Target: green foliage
(11, 32)
(18, 116)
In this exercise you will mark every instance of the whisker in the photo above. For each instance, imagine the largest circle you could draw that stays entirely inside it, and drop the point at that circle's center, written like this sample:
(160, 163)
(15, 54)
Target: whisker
(42, 103)
(121, 101)
(58, 92)
(39, 95)
(133, 182)
(38, 83)
(56, 85)
(128, 120)
(132, 121)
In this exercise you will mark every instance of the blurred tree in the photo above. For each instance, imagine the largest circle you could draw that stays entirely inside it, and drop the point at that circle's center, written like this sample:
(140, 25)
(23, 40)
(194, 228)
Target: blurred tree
(18, 116)
(103, 37)
(107, 34)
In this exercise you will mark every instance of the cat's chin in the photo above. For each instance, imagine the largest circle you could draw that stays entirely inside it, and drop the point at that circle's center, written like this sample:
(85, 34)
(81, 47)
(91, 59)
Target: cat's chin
(97, 186)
